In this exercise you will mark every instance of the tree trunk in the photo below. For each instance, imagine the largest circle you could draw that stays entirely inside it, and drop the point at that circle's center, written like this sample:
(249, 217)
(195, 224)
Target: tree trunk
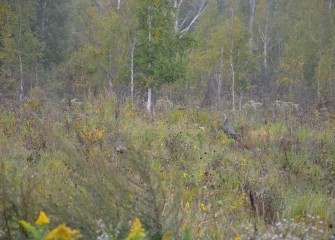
(101, 7)
(240, 102)
(36, 75)
(220, 5)
(176, 20)
(201, 10)
(149, 101)
(20, 57)
(231, 58)
(219, 87)
(265, 40)
(331, 82)
(21, 77)
(318, 91)
(118, 5)
(149, 65)
(265, 53)
(109, 72)
(132, 69)
(233, 82)
(252, 5)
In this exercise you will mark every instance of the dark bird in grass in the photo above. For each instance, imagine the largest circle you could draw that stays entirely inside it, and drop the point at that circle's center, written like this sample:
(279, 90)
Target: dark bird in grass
(120, 147)
(228, 129)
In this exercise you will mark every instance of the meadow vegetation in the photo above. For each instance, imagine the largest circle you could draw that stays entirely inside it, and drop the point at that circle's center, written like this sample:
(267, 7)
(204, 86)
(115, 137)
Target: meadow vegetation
(181, 177)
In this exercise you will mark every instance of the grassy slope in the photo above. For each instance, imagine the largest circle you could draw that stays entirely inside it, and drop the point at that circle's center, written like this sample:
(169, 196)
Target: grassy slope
(181, 174)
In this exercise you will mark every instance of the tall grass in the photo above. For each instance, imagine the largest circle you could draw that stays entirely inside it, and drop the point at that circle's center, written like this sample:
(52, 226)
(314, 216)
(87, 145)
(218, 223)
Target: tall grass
(181, 175)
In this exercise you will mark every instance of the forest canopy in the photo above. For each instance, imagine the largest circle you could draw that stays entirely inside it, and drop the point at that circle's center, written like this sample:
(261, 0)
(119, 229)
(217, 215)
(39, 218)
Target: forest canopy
(256, 49)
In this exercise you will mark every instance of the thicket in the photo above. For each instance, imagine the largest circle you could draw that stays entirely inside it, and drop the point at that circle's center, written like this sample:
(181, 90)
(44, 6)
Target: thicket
(181, 175)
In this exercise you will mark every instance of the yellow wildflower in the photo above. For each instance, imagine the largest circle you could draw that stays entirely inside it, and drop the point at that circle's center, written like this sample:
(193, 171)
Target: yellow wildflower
(137, 231)
(185, 175)
(238, 238)
(42, 219)
(202, 172)
(187, 205)
(224, 141)
(244, 163)
(64, 233)
(100, 134)
(242, 196)
(168, 235)
(203, 207)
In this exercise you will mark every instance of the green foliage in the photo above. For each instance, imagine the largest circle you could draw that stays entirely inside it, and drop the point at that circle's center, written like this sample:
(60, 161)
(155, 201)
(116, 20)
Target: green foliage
(41, 231)
(181, 175)
(19, 46)
(160, 52)
(53, 29)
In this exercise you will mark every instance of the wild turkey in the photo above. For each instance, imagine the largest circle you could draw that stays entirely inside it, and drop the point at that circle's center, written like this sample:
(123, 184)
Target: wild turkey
(228, 129)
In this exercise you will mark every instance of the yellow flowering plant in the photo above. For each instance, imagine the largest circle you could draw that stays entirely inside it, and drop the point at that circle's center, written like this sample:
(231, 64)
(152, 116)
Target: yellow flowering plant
(41, 230)
(42, 220)
(63, 232)
(137, 231)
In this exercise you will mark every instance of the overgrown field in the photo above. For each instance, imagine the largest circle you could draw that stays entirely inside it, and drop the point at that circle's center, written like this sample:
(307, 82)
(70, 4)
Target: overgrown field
(180, 175)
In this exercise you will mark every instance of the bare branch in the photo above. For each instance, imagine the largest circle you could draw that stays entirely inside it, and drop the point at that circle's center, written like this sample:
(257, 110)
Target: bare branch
(200, 12)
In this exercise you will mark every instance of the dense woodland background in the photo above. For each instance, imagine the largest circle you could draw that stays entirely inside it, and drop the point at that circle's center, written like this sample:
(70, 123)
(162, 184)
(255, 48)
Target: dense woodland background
(201, 51)
(111, 111)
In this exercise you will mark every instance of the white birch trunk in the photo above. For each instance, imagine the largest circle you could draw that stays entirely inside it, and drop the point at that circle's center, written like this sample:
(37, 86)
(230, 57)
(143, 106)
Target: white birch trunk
(20, 57)
(330, 10)
(240, 102)
(233, 83)
(110, 78)
(118, 6)
(36, 75)
(101, 7)
(231, 59)
(252, 5)
(265, 57)
(318, 91)
(176, 20)
(149, 101)
(132, 69)
(331, 82)
(149, 25)
(21, 77)
(265, 40)
(149, 66)
(219, 85)
(201, 10)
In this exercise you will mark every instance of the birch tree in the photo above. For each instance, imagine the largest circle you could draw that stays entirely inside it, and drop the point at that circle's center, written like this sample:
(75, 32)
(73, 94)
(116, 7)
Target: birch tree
(226, 52)
(159, 56)
(21, 50)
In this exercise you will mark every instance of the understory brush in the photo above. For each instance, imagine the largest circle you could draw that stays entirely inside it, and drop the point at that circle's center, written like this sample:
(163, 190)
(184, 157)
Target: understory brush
(180, 175)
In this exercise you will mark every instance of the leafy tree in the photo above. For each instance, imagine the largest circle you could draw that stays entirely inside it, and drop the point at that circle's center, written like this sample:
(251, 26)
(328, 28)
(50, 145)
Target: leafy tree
(226, 53)
(52, 29)
(160, 51)
(99, 52)
(21, 50)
